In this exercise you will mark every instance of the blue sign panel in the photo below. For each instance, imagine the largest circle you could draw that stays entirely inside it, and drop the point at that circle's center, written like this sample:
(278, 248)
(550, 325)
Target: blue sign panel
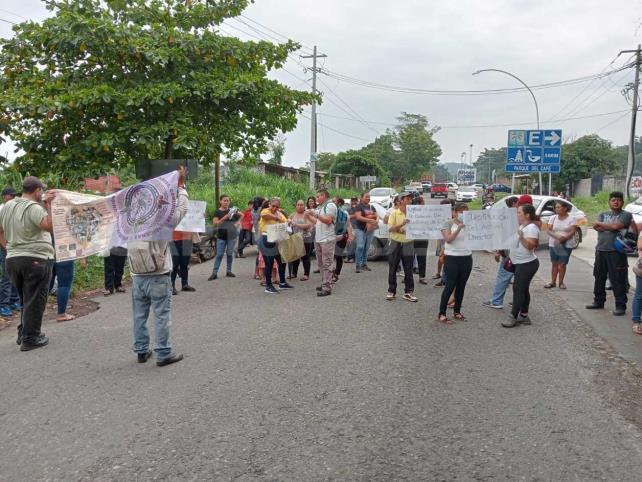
(534, 151)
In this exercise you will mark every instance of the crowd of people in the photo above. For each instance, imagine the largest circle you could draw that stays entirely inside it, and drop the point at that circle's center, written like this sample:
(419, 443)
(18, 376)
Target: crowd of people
(333, 233)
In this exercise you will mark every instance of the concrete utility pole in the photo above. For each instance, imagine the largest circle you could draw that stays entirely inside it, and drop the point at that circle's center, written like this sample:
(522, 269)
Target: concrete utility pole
(313, 133)
(634, 110)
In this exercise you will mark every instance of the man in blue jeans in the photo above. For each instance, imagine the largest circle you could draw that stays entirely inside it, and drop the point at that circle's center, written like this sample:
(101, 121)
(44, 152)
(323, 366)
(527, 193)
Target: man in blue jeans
(501, 283)
(367, 221)
(152, 289)
(9, 297)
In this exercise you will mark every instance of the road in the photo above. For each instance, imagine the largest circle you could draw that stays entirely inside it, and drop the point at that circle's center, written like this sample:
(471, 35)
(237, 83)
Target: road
(350, 387)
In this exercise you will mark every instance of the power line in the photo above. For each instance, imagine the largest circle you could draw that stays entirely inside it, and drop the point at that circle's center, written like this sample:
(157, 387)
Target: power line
(274, 31)
(613, 122)
(360, 119)
(410, 90)
(337, 131)
(601, 90)
(7, 21)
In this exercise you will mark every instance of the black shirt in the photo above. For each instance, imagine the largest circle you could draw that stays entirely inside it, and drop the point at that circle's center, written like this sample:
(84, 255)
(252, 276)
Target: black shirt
(365, 210)
(226, 230)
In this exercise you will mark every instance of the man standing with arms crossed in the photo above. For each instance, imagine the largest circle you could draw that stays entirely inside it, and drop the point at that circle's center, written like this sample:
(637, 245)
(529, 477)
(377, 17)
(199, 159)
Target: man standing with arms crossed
(325, 239)
(25, 227)
(367, 222)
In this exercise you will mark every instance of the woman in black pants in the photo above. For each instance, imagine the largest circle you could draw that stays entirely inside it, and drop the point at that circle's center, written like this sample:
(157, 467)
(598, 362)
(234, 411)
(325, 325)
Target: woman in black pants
(526, 265)
(457, 265)
(421, 252)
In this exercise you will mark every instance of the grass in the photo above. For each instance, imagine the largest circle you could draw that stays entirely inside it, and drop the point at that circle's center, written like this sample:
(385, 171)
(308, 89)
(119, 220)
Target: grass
(592, 206)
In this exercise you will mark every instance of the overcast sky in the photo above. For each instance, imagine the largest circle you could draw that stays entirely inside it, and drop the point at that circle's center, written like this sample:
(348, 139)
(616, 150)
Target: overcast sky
(428, 44)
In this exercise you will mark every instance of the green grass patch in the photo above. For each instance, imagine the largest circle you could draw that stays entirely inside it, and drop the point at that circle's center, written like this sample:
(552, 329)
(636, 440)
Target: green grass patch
(592, 206)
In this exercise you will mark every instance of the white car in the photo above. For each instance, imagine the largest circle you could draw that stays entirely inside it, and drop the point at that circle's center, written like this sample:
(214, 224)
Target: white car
(453, 186)
(545, 208)
(466, 194)
(635, 208)
(384, 196)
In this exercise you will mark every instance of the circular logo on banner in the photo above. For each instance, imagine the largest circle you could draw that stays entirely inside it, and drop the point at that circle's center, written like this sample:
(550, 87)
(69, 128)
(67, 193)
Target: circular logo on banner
(146, 210)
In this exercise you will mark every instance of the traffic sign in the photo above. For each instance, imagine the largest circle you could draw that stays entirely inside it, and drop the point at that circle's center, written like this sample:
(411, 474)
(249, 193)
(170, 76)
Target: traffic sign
(534, 151)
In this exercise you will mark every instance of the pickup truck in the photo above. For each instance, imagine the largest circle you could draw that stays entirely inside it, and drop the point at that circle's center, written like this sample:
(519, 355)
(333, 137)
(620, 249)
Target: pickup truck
(440, 189)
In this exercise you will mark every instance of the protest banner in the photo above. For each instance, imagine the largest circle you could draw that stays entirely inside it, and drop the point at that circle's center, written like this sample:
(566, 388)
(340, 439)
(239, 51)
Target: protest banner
(194, 220)
(277, 232)
(490, 229)
(425, 222)
(84, 224)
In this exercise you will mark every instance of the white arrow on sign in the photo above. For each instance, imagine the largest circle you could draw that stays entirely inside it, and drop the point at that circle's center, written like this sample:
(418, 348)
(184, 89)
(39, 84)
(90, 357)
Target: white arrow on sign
(554, 138)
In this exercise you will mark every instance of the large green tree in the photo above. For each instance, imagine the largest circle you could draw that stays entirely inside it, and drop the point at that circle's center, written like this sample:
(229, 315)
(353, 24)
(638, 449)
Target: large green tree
(357, 164)
(490, 160)
(418, 151)
(103, 83)
(585, 157)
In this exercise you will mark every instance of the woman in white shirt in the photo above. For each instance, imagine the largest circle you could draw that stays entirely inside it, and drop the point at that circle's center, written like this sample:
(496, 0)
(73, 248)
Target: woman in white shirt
(526, 265)
(561, 230)
(458, 264)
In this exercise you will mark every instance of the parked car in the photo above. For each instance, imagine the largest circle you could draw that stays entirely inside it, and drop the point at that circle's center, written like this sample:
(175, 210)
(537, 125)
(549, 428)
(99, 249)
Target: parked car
(381, 241)
(453, 186)
(480, 186)
(466, 194)
(413, 187)
(383, 196)
(426, 186)
(501, 188)
(635, 208)
(545, 208)
(439, 189)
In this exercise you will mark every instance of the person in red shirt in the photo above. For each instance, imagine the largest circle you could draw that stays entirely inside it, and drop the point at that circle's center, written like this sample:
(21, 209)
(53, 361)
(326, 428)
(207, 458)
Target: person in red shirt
(247, 224)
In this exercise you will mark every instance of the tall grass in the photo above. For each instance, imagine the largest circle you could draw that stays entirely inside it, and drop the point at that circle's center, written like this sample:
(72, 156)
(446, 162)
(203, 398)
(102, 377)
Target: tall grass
(243, 185)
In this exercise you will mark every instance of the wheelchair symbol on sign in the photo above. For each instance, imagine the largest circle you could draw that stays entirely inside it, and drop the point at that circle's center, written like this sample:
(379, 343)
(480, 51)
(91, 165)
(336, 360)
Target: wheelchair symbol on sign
(531, 157)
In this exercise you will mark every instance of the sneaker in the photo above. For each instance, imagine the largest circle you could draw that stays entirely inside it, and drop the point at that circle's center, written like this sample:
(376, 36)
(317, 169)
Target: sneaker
(143, 357)
(423, 281)
(365, 268)
(619, 311)
(410, 297)
(524, 319)
(271, 290)
(212, 277)
(6, 311)
(488, 304)
(319, 288)
(229, 274)
(510, 322)
(169, 360)
(188, 288)
(595, 306)
(285, 286)
(439, 284)
(174, 291)
(41, 341)
(324, 293)
(390, 296)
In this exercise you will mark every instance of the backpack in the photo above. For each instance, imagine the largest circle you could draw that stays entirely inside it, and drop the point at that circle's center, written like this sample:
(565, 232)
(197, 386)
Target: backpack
(341, 223)
(146, 257)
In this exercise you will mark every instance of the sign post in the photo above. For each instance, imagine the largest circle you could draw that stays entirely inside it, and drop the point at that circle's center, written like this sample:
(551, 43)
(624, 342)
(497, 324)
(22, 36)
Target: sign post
(532, 151)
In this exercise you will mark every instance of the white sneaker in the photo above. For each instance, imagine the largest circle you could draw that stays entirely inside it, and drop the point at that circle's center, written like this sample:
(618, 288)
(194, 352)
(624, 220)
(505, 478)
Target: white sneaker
(410, 297)
(390, 296)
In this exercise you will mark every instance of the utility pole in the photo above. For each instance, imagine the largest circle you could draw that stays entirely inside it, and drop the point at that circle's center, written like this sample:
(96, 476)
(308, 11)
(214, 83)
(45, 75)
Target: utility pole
(313, 133)
(634, 110)
(471, 160)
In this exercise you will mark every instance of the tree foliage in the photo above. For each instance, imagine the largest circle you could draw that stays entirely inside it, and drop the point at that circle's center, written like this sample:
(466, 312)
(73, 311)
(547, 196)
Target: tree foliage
(490, 160)
(585, 157)
(276, 150)
(357, 164)
(102, 83)
(418, 151)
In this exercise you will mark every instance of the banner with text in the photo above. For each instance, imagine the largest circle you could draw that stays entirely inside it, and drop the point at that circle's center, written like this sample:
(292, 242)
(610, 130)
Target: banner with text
(491, 229)
(426, 221)
(84, 224)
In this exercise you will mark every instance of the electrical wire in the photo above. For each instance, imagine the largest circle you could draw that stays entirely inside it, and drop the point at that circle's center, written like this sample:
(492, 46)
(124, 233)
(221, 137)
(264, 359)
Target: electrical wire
(337, 131)
(7, 21)
(274, 31)
(13, 13)
(355, 113)
(410, 90)
(612, 122)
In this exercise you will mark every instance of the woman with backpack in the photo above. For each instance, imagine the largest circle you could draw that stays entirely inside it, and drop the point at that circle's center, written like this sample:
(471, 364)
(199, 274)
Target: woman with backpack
(561, 232)
(343, 230)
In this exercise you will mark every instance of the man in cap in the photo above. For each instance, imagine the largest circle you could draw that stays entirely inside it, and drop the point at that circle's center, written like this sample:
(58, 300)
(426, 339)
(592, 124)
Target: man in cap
(401, 250)
(25, 227)
(9, 298)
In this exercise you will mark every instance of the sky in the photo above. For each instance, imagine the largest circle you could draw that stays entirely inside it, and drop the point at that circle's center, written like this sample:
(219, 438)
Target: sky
(437, 45)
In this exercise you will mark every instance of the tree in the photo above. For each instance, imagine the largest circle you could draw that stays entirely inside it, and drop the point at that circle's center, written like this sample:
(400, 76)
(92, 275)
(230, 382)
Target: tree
(488, 161)
(383, 151)
(276, 149)
(585, 157)
(324, 161)
(418, 151)
(355, 163)
(103, 83)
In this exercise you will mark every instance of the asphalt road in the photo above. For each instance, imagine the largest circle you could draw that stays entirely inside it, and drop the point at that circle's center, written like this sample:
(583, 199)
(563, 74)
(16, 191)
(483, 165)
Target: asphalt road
(294, 387)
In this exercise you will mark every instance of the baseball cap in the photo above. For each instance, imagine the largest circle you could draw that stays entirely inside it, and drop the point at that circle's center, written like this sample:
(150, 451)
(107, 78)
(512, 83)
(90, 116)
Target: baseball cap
(405, 194)
(524, 199)
(31, 183)
(9, 191)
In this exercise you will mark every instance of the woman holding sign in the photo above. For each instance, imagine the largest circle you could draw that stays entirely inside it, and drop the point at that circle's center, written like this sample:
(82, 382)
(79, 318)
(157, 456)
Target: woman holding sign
(270, 252)
(526, 265)
(458, 264)
(561, 232)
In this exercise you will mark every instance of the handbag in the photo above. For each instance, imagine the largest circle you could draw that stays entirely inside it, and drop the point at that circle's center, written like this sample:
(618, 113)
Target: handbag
(508, 265)
(292, 248)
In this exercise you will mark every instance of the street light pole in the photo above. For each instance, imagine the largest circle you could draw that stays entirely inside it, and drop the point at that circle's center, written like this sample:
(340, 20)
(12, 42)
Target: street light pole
(470, 159)
(536, 113)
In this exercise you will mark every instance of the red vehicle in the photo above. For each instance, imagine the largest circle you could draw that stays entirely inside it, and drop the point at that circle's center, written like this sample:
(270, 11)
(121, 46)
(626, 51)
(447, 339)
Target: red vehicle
(439, 189)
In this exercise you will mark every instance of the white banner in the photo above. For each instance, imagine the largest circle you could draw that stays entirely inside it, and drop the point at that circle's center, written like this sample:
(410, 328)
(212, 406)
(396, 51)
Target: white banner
(491, 229)
(194, 220)
(426, 221)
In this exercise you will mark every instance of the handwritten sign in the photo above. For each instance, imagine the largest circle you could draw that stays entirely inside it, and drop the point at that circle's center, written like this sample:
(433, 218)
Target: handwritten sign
(491, 229)
(277, 232)
(194, 220)
(426, 221)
